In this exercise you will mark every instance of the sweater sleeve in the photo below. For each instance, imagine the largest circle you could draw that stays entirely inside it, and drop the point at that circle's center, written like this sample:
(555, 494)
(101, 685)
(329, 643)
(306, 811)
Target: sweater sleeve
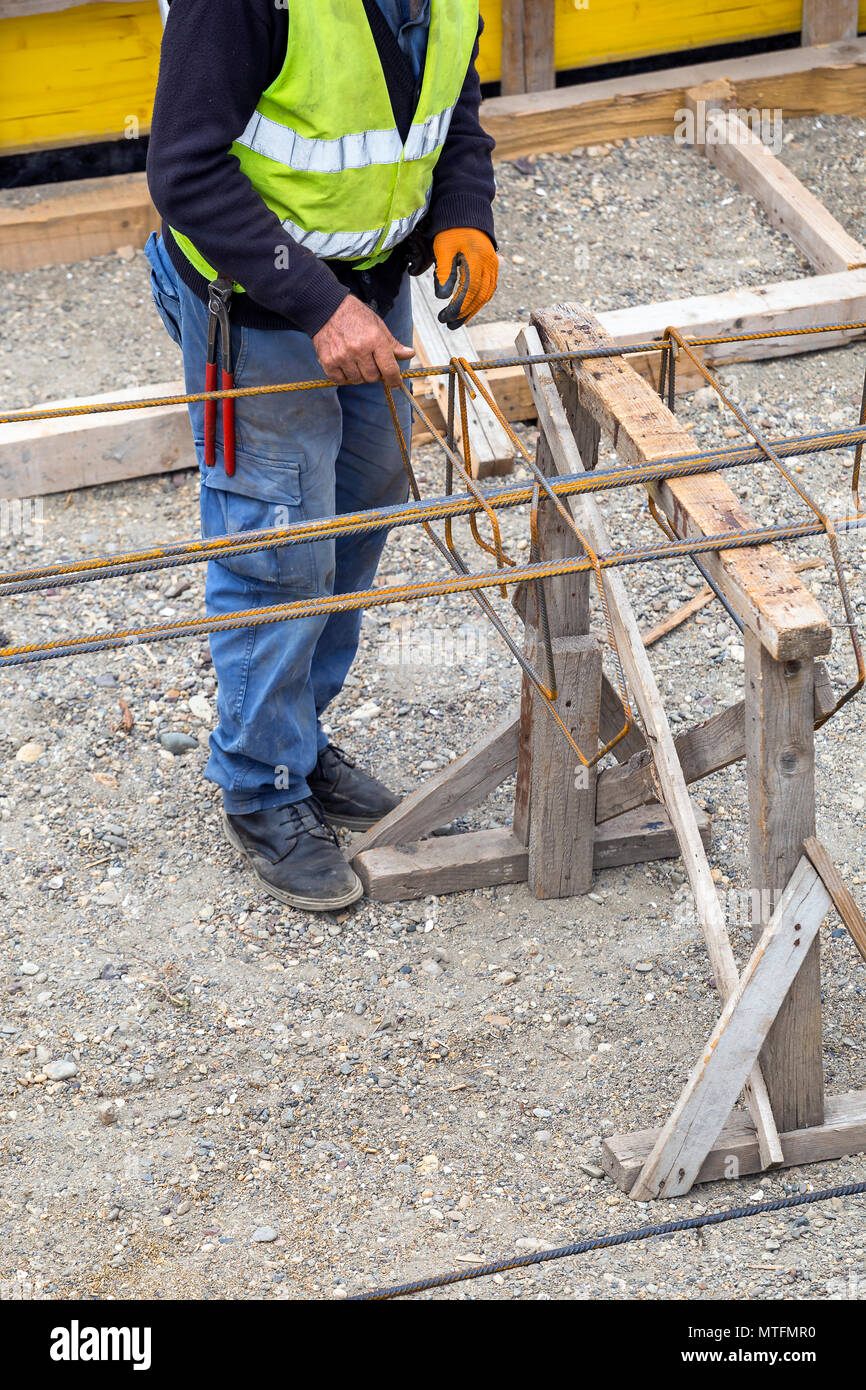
(217, 58)
(463, 183)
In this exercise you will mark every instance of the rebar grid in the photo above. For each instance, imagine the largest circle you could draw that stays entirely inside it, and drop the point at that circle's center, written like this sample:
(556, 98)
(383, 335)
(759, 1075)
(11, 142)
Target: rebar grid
(464, 383)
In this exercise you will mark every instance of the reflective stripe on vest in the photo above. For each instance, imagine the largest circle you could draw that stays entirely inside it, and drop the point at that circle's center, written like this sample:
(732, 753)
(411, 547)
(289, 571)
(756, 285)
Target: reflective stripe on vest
(322, 148)
(351, 246)
(286, 146)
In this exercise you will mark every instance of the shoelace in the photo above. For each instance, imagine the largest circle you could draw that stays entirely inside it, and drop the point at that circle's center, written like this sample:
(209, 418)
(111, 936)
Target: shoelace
(307, 816)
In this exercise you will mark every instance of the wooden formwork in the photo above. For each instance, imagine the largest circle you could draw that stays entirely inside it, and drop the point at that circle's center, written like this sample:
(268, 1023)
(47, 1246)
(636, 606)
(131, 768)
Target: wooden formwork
(78, 71)
(63, 222)
(69, 221)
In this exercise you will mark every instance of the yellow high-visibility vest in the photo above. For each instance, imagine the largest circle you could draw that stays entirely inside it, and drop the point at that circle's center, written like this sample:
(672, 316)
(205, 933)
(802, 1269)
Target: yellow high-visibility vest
(322, 147)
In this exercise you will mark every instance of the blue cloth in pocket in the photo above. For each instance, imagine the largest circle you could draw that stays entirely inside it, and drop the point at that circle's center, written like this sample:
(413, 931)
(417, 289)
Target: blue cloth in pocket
(164, 288)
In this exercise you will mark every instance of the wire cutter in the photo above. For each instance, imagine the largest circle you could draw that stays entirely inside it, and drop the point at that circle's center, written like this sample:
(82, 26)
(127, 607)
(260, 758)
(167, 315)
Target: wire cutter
(219, 303)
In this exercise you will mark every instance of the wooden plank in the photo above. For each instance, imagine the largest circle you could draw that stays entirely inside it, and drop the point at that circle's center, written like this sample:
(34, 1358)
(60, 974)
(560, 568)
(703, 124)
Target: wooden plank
(828, 21)
(58, 223)
(843, 901)
(732, 1049)
(759, 582)
(562, 814)
(643, 835)
(528, 63)
(465, 783)
(740, 154)
(775, 309)
(492, 450)
(638, 672)
(702, 750)
(735, 1154)
(780, 772)
(801, 82)
(566, 597)
(446, 864)
(81, 451)
(485, 858)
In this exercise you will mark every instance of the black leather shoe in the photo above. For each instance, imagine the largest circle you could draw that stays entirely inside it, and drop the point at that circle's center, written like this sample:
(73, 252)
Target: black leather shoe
(349, 797)
(295, 856)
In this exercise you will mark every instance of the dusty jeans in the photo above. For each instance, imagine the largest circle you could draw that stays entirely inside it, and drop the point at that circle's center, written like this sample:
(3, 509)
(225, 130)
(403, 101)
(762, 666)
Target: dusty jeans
(298, 455)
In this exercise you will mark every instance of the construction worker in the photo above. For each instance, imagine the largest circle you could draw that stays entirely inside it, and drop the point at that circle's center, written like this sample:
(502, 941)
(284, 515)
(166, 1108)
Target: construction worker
(304, 156)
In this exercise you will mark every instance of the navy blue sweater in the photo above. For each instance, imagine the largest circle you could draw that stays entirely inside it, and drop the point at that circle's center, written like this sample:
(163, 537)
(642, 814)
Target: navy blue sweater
(217, 58)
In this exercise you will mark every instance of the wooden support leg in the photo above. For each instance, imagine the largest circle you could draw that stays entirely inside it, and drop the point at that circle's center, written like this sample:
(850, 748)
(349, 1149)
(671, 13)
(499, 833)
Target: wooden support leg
(736, 1153)
(528, 63)
(567, 595)
(465, 783)
(562, 816)
(567, 598)
(610, 723)
(482, 858)
(717, 742)
(827, 21)
(780, 762)
(842, 899)
(730, 1053)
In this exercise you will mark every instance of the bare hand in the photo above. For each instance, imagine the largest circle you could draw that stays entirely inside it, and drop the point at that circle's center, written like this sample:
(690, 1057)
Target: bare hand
(355, 345)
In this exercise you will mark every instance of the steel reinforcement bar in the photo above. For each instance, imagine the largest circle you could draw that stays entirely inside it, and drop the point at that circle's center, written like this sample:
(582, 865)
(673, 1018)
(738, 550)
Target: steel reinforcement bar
(409, 513)
(417, 373)
(455, 584)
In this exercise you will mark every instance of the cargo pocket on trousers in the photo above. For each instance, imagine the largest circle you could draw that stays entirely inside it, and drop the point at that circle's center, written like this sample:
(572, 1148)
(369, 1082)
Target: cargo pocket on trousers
(259, 497)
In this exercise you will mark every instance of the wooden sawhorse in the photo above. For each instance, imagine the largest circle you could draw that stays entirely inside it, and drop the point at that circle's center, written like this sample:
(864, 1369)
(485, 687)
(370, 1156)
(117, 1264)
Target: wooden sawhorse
(767, 1043)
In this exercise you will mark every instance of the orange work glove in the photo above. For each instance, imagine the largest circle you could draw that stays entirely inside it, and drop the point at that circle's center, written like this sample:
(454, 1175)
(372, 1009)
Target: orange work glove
(467, 268)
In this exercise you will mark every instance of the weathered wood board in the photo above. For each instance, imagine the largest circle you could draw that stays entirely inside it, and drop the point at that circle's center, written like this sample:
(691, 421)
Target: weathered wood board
(484, 858)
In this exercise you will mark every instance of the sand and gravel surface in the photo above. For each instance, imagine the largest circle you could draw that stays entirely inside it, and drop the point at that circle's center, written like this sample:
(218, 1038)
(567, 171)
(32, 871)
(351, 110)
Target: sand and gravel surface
(205, 1094)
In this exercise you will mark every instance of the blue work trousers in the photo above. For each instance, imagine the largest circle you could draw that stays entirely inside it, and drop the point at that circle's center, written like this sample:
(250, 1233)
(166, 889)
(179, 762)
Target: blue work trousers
(299, 455)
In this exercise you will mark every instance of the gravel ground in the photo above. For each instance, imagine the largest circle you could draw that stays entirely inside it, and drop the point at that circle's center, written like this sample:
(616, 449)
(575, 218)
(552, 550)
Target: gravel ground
(205, 1094)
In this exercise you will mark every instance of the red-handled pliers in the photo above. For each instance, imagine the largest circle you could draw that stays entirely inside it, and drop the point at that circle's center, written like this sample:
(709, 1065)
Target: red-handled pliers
(219, 303)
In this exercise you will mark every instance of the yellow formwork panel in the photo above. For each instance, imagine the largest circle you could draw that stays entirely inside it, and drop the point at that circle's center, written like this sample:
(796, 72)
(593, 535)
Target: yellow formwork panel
(89, 73)
(603, 31)
(77, 75)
